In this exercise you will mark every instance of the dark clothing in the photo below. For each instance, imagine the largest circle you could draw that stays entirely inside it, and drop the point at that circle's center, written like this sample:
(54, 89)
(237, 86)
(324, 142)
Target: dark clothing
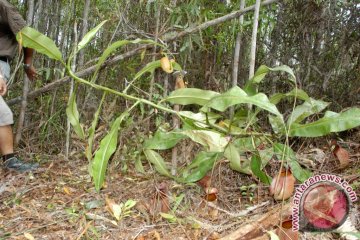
(11, 22)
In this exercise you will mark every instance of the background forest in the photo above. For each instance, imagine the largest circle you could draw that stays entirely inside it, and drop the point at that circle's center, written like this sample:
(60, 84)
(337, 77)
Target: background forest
(318, 39)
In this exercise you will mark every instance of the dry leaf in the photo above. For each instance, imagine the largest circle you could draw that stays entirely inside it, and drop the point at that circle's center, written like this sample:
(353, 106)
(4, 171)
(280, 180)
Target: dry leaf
(155, 234)
(214, 236)
(67, 190)
(114, 208)
(285, 232)
(160, 200)
(340, 153)
(213, 213)
(29, 236)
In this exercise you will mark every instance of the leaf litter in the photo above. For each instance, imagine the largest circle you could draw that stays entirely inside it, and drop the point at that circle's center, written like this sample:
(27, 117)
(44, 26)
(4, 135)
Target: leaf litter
(59, 201)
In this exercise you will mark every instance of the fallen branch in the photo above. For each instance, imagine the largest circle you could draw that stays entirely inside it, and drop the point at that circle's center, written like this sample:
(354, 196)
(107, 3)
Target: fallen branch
(85, 72)
(256, 228)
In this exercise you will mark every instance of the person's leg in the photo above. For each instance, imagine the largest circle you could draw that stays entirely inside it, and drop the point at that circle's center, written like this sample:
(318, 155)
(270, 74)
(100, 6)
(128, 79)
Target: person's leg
(6, 140)
(6, 134)
(10, 160)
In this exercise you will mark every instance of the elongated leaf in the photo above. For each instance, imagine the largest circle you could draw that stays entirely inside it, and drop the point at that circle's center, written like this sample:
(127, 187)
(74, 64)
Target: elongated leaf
(331, 122)
(158, 162)
(73, 115)
(306, 109)
(287, 69)
(237, 162)
(265, 155)
(256, 169)
(139, 166)
(163, 140)
(107, 147)
(90, 35)
(263, 70)
(277, 124)
(282, 151)
(114, 46)
(213, 141)
(185, 96)
(150, 68)
(29, 37)
(200, 119)
(91, 131)
(260, 75)
(237, 96)
(202, 163)
(297, 93)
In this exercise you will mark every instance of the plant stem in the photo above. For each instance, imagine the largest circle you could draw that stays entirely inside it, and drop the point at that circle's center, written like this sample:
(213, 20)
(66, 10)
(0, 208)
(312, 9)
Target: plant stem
(99, 87)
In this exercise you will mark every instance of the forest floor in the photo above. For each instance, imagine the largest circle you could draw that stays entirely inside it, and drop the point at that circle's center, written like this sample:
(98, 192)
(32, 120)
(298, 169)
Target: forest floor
(59, 200)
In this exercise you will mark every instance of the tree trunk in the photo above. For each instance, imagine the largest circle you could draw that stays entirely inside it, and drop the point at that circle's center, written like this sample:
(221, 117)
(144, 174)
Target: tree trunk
(253, 39)
(84, 30)
(237, 53)
(238, 47)
(20, 125)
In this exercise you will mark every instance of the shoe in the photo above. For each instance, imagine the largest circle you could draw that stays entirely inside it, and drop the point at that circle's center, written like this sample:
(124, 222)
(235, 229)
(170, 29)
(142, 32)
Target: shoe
(18, 165)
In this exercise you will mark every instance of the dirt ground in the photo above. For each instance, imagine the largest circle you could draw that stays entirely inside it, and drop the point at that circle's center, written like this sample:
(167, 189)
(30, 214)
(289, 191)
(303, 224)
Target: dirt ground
(59, 200)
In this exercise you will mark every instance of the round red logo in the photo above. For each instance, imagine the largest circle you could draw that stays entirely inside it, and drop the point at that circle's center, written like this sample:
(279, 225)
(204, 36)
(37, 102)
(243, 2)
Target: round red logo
(324, 207)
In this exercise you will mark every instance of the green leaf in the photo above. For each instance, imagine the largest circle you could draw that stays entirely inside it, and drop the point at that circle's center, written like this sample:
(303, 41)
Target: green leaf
(73, 115)
(213, 141)
(129, 204)
(92, 129)
(306, 109)
(169, 217)
(158, 161)
(256, 169)
(287, 69)
(30, 38)
(163, 140)
(355, 234)
(178, 200)
(237, 162)
(261, 73)
(176, 66)
(138, 165)
(185, 96)
(263, 70)
(114, 46)
(150, 67)
(331, 122)
(297, 93)
(90, 35)
(202, 163)
(284, 152)
(107, 147)
(277, 124)
(200, 119)
(265, 155)
(237, 96)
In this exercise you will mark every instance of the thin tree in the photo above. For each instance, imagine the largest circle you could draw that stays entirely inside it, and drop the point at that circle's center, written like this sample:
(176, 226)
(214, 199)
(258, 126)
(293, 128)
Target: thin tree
(253, 39)
(29, 18)
(237, 50)
(84, 30)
